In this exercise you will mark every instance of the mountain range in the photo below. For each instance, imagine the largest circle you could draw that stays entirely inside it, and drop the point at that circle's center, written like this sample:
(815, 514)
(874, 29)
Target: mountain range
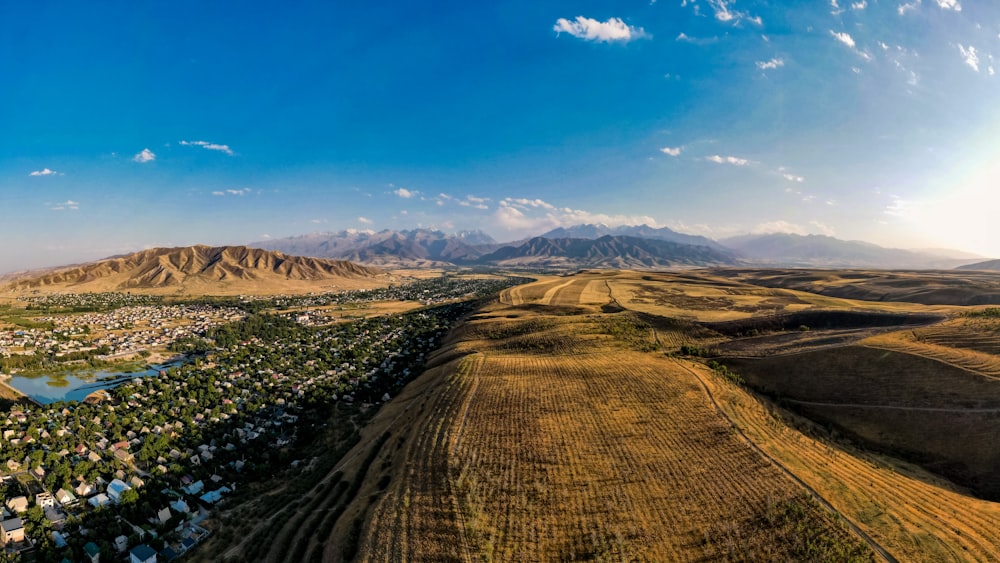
(194, 269)
(601, 246)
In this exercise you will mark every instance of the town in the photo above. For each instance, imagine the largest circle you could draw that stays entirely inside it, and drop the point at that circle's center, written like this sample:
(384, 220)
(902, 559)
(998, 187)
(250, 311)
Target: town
(138, 468)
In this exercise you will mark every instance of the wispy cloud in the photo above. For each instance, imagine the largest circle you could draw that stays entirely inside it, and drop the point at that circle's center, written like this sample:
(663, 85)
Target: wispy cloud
(793, 177)
(671, 151)
(843, 37)
(684, 37)
(474, 202)
(902, 9)
(239, 192)
(771, 64)
(778, 227)
(847, 40)
(859, 5)
(43, 172)
(69, 204)
(970, 56)
(897, 207)
(735, 161)
(823, 228)
(209, 146)
(365, 221)
(723, 13)
(949, 5)
(145, 155)
(405, 193)
(532, 216)
(590, 29)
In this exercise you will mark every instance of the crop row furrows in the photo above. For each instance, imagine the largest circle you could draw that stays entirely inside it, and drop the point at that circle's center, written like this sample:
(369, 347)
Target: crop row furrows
(894, 499)
(415, 519)
(570, 293)
(640, 463)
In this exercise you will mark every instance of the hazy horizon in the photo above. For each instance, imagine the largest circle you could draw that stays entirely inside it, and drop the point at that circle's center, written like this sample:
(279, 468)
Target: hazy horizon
(169, 125)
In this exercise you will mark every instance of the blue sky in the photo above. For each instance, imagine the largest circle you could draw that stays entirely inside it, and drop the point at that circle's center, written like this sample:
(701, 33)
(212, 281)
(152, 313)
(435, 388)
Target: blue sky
(131, 125)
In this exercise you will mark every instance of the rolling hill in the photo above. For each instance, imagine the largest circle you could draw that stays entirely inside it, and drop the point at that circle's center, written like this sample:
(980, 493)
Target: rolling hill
(990, 265)
(198, 268)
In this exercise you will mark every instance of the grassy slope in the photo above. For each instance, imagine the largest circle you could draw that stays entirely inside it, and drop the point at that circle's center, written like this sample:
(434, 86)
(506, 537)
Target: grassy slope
(558, 441)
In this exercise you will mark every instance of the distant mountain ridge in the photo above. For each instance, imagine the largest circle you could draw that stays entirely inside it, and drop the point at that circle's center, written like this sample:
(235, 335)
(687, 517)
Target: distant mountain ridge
(821, 251)
(620, 252)
(434, 248)
(412, 248)
(176, 267)
(596, 231)
(988, 265)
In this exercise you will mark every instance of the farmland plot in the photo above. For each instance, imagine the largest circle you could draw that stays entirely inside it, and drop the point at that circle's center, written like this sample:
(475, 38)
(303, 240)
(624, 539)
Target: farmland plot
(540, 448)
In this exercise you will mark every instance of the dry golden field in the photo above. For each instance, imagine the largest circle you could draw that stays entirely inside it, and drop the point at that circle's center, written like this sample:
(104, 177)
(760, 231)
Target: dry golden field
(554, 439)
(562, 423)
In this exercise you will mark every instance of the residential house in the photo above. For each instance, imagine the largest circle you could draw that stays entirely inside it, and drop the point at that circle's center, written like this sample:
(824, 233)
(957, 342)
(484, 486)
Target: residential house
(12, 530)
(142, 553)
(84, 489)
(99, 500)
(45, 500)
(93, 552)
(116, 488)
(65, 497)
(163, 515)
(121, 543)
(18, 504)
(194, 488)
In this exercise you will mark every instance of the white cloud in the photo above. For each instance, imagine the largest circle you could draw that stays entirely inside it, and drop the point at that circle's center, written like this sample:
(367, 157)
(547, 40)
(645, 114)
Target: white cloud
(843, 37)
(859, 5)
(143, 156)
(592, 30)
(533, 216)
(970, 56)
(405, 193)
(239, 192)
(69, 204)
(898, 207)
(771, 64)
(793, 177)
(43, 172)
(474, 202)
(671, 151)
(823, 228)
(949, 5)
(723, 13)
(209, 146)
(365, 221)
(735, 161)
(908, 7)
(773, 227)
(847, 40)
(695, 40)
